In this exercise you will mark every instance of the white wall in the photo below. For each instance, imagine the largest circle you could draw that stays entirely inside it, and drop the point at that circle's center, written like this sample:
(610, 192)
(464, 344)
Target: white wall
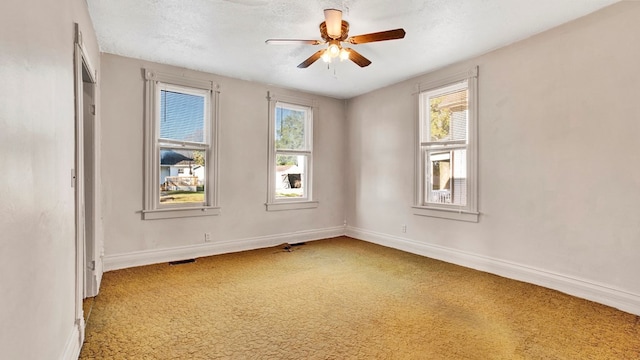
(559, 184)
(37, 231)
(244, 222)
(559, 180)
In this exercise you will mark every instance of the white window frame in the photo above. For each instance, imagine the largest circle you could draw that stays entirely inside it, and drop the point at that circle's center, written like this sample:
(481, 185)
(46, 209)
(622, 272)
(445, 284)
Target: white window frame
(273, 203)
(155, 82)
(468, 212)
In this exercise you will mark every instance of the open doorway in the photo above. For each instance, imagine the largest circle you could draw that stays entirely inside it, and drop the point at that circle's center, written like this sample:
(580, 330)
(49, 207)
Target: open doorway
(86, 181)
(91, 249)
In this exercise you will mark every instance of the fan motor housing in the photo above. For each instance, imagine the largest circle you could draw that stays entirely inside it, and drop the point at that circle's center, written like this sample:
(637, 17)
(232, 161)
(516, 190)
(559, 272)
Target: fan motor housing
(344, 32)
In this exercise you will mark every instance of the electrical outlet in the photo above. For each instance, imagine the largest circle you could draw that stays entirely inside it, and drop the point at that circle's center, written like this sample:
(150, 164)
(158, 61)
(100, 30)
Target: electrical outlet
(403, 228)
(207, 237)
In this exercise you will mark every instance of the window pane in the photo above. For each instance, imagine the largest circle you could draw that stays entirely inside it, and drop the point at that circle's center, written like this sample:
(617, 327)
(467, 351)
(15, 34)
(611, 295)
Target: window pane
(182, 116)
(447, 177)
(447, 116)
(290, 129)
(290, 176)
(182, 176)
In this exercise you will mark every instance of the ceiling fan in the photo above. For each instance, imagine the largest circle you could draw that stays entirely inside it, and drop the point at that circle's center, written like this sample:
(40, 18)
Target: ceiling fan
(334, 31)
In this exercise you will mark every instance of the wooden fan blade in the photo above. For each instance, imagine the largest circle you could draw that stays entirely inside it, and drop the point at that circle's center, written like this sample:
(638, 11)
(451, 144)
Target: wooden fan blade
(313, 58)
(292, 42)
(378, 36)
(357, 58)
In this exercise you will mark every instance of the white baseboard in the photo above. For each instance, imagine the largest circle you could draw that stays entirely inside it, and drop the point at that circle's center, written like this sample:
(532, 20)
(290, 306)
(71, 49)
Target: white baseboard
(585, 289)
(148, 257)
(600, 293)
(73, 345)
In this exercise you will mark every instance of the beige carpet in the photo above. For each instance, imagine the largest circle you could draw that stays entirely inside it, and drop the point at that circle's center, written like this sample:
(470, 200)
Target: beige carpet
(344, 299)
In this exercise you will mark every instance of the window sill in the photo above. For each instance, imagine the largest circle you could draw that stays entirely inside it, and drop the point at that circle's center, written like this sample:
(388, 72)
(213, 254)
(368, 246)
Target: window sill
(292, 205)
(180, 212)
(451, 214)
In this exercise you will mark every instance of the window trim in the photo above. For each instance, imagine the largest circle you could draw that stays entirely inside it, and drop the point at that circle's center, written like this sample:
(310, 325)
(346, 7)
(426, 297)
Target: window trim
(273, 203)
(152, 144)
(453, 212)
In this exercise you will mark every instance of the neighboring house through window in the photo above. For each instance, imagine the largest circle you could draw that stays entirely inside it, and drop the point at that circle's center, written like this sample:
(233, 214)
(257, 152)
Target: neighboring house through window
(290, 153)
(447, 150)
(180, 146)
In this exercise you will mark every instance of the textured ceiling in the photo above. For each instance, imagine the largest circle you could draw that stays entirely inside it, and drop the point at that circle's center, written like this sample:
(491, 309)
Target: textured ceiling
(227, 37)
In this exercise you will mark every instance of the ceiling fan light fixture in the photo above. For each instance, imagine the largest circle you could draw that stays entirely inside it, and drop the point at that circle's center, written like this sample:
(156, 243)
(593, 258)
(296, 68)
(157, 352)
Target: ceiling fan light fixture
(333, 19)
(344, 54)
(326, 57)
(334, 32)
(334, 48)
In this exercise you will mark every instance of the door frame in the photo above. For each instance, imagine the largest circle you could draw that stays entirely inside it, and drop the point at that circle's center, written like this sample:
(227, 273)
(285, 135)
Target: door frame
(83, 69)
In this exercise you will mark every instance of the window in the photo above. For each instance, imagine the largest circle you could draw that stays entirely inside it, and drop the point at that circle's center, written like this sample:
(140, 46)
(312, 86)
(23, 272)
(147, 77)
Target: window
(447, 148)
(290, 153)
(180, 147)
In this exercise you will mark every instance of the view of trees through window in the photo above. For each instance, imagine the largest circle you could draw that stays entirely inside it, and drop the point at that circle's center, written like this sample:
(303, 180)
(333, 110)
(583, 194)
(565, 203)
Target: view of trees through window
(440, 120)
(291, 146)
(289, 134)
